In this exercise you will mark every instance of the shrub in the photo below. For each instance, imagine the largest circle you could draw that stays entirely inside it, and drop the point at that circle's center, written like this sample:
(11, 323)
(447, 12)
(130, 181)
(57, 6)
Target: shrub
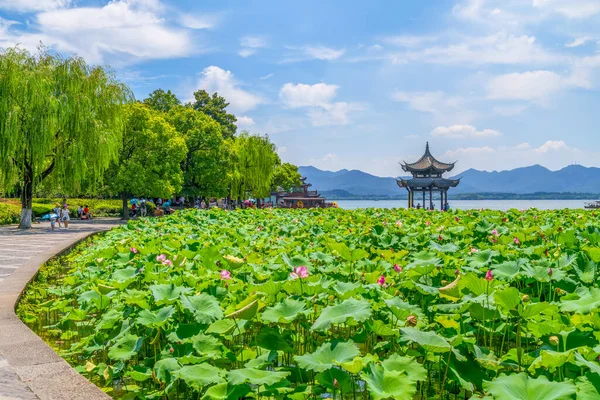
(9, 214)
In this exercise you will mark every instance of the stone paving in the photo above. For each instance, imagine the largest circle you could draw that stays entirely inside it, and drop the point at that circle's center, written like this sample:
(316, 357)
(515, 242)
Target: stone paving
(29, 369)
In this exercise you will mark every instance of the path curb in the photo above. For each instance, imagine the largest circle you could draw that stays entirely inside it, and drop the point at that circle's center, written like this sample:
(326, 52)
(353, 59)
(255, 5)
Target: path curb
(46, 373)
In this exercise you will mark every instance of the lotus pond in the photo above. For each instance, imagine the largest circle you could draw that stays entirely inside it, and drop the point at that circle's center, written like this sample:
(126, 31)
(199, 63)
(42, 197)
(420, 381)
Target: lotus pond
(310, 304)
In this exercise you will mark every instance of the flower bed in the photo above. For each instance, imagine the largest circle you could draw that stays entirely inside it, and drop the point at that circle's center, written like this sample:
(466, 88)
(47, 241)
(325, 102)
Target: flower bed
(296, 304)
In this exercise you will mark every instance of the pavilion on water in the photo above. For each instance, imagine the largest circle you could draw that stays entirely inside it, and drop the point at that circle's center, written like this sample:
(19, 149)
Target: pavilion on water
(300, 197)
(426, 179)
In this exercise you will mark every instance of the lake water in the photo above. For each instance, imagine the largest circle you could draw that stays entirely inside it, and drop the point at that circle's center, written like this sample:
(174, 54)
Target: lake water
(470, 204)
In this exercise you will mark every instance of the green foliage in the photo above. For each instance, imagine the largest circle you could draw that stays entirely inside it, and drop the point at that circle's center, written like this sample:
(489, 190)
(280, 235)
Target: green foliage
(160, 100)
(215, 107)
(254, 164)
(206, 306)
(207, 161)
(286, 177)
(62, 120)
(9, 214)
(151, 154)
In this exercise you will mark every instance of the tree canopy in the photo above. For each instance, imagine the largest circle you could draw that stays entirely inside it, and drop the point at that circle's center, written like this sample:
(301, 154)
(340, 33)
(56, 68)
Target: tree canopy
(286, 177)
(60, 119)
(208, 154)
(215, 107)
(254, 164)
(151, 154)
(160, 100)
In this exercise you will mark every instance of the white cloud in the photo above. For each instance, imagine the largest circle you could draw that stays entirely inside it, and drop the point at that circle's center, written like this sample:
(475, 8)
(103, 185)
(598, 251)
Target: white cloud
(34, 5)
(535, 86)
(499, 48)
(244, 122)
(318, 98)
(330, 157)
(576, 9)
(120, 32)
(305, 53)
(333, 114)
(323, 53)
(201, 21)
(580, 41)
(408, 40)
(214, 79)
(303, 95)
(469, 151)
(463, 131)
(264, 78)
(430, 102)
(552, 145)
(445, 108)
(251, 44)
(523, 146)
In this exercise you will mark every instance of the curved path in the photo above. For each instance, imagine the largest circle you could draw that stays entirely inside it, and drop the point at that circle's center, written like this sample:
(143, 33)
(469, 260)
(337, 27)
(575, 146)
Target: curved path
(29, 368)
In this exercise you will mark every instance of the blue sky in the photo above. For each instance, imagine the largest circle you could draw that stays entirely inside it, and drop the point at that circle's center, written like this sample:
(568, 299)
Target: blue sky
(494, 84)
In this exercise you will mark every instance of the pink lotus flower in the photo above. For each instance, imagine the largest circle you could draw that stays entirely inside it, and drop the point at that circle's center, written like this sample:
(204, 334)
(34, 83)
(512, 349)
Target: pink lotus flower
(456, 219)
(495, 232)
(474, 250)
(168, 263)
(225, 275)
(397, 268)
(299, 272)
(161, 258)
(133, 250)
(141, 270)
(399, 224)
(489, 276)
(381, 280)
(427, 223)
(516, 240)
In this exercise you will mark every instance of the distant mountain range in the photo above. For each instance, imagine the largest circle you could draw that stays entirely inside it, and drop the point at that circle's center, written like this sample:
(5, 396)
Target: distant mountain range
(574, 179)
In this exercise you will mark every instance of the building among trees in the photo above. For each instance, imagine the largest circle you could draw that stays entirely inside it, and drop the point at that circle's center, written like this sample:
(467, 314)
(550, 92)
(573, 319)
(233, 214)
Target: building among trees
(427, 178)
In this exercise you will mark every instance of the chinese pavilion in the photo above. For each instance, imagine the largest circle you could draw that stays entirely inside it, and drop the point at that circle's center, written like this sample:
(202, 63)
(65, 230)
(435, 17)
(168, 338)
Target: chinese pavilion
(427, 178)
(301, 197)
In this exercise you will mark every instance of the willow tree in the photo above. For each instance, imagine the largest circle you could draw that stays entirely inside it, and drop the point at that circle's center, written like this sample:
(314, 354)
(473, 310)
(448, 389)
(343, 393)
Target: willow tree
(60, 119)
(254, 163)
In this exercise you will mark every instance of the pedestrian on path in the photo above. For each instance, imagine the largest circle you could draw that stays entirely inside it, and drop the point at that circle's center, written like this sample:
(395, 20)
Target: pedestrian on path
(57, 210)
(64, 215)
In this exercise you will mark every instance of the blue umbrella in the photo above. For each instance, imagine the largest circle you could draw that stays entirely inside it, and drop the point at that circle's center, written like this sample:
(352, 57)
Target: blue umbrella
(134, 201)
(49, 216)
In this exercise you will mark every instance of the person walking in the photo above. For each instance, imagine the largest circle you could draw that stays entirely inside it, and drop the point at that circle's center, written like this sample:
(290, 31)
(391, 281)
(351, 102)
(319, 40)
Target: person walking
(57, 210)
(64, 215)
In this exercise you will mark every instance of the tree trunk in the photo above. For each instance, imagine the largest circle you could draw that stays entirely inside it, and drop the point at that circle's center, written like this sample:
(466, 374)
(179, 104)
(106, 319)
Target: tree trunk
(125, 207)
(26, 199)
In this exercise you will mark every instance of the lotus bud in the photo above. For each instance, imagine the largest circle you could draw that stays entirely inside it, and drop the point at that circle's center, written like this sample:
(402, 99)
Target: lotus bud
(171, 350)
(456, 272)
(553, 340)
(411, 320)
(549, 271)
(335, 383)
(440, 238)
(525, 298)
(489, 276)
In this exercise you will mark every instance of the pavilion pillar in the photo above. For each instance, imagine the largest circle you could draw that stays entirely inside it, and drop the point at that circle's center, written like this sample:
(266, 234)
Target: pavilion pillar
(423, 198)
(441, 199)
(430, 198)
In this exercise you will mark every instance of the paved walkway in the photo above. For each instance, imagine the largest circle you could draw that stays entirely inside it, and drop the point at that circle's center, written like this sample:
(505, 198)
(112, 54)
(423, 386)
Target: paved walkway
(30, 369)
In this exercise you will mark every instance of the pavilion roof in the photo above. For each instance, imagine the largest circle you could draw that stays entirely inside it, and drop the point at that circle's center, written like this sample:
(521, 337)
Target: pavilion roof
(427, 162)
(440, 183)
